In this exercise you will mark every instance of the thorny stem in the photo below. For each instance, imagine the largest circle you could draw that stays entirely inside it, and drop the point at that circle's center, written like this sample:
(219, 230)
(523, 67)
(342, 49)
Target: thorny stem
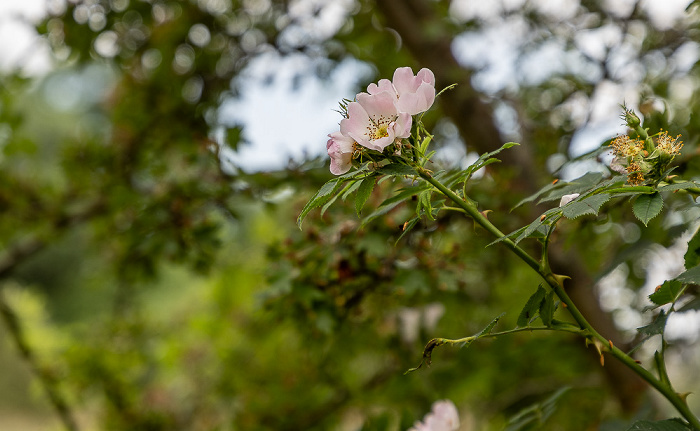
(555, 282)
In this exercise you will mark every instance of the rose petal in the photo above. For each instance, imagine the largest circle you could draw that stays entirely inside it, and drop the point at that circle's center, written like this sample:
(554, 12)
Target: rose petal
(404, 81)
(384, 85)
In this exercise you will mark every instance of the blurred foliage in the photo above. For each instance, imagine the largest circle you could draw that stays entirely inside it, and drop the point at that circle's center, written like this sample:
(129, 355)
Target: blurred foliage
(163, 288)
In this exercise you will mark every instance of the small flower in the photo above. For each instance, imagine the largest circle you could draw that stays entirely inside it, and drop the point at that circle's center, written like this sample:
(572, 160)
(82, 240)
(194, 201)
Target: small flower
(374, 121)
(624, 146)
(668, 145)
(340, 149)
(414, 93)
(568, 198)
(635, 176)
(443, 417)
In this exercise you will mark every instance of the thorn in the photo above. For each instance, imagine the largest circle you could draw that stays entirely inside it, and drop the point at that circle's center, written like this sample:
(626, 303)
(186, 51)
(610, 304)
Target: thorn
(560, 278)
(611, 344)
(485, 213)
(656, 289)
(555, 181)
(599, 348)
(543, 217)
(638, 361)
(684, 395)
(404, 226)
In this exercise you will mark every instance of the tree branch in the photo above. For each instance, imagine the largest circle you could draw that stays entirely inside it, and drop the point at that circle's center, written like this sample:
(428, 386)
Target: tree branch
(48, 381)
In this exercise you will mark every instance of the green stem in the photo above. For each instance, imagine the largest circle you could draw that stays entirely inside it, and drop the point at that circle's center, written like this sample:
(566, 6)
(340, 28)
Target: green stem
(556, 283)
(511, 331)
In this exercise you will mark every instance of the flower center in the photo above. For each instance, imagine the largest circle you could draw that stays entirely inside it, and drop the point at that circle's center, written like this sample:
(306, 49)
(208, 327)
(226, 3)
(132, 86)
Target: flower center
(379, 128)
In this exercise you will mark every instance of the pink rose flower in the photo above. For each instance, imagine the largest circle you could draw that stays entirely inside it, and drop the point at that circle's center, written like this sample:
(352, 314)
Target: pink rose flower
(414, 94)
(340, 148)
(374, 121)
(443, 417)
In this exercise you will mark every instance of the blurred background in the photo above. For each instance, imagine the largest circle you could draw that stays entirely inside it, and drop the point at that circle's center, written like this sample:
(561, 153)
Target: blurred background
(154, 156)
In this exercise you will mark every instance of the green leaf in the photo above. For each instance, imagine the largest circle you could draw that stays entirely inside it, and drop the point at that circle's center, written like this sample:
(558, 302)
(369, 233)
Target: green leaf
(363, 193)
(322, 196)
(407, 227)
(667, 292)
(486, 331)
(529, 229)
(580, 185)
(656, 327)
(532, 307)
(350, 189)
(691, 276)
(547, 309)
(383, 209)
(425, 204)
(665, 425)
(589, 205)
(234, 135)
(646, 207)
(396, 169)
(436, 342)
(539, 193)
(678, 186)
(692, 256)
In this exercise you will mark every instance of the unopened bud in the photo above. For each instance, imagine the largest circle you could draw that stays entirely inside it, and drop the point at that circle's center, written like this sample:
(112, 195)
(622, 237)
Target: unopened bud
(631, 119)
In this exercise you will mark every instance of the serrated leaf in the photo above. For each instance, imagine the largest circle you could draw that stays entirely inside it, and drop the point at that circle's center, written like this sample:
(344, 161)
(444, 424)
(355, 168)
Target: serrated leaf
(665, 425)
(396, 169)
(589, 205)
(483, 160)
(322, 196)
(348, 190)
(667, 292)
(547, 309)
(529, 229)
(383, 209)
(425, 204)
(507, 236)
(646, 207)
(692, 256)
(532, 307)
(656, 327)
(579, 185)
(678, 186)
(363, 193)
(691, 276)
